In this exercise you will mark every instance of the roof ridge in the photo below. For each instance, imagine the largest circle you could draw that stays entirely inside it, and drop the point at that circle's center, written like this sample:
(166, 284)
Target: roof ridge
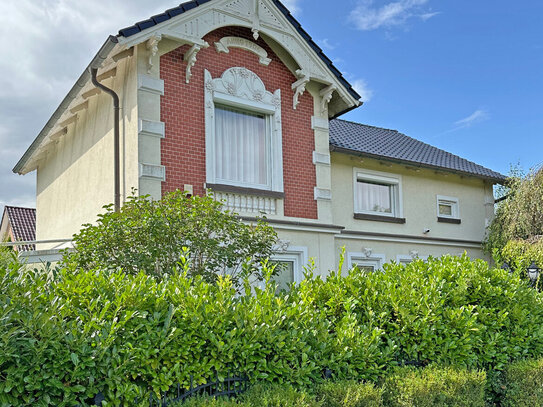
(19, 207)
(366, 125)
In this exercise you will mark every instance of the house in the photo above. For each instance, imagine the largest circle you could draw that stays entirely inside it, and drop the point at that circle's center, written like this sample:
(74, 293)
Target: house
(18, 225)
(234, 97)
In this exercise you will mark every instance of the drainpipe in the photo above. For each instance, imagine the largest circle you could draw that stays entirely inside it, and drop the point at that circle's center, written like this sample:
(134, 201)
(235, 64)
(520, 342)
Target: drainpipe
(116, 131)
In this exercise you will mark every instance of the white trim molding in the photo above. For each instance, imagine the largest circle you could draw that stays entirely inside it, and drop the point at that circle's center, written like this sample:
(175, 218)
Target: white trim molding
(151, 128)
(149, 84)
(241, 88)
(223, 45)
(318, 123)
(152, 171)
(366, 258)
(322, 194)
(319, 158)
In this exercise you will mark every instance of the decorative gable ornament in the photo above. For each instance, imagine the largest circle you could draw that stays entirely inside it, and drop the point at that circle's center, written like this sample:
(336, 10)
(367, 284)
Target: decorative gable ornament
(225, 43)
(261, 17)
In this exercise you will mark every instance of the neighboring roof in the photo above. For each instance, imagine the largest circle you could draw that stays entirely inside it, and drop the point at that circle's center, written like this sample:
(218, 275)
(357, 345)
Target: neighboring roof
(361, 139)
(189, 5)
(23, 224)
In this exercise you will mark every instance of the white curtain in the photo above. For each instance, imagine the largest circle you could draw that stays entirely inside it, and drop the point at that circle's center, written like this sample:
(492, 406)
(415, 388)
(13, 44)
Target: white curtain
(240, 147)
(374, 197)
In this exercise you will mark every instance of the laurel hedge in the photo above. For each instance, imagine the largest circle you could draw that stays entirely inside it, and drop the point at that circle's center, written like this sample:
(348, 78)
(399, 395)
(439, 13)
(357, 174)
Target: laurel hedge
(67, 335)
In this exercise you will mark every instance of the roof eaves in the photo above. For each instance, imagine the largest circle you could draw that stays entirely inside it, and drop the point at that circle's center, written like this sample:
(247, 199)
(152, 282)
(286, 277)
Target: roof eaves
(96, 62)
(499, 180)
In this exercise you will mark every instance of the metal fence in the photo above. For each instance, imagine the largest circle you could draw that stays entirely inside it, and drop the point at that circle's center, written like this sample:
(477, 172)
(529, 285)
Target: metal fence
(231, 386)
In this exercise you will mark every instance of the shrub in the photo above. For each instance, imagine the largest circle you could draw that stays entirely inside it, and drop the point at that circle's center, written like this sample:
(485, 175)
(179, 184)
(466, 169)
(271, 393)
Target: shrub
(150, 236)
(519, 254)
(349, 394)
(435, 387)
(524, 384)
(67, 335)
(210, 402)
(277, 396)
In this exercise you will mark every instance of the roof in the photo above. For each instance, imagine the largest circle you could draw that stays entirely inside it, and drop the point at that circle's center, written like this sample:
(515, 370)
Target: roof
(23, 224)
(376, 142)
(189, 5)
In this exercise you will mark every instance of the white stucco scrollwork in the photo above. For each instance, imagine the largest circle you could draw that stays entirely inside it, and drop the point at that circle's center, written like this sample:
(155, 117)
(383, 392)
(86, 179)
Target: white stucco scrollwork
(225, 43)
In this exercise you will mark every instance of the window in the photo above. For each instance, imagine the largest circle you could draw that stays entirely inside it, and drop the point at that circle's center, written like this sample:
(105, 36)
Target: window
(243, 132)
(447, 207)
(377, 194)
(290, 264)
(409, 258)
(242, 147)
(365, 261)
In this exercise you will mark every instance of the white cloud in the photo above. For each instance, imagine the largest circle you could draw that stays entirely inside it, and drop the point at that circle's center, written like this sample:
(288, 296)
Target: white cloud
(47, 44)
(326, 44)
(367, 16)
(293, 6)
(363, 90)
(480, 115)
(429, 15)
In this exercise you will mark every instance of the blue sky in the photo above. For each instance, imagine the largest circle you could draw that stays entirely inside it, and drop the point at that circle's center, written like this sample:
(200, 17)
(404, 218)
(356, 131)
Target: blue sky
(463, 75)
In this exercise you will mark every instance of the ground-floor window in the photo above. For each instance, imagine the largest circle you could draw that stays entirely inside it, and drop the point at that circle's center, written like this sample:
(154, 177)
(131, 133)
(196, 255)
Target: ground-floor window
(366, 261)
(290, 266)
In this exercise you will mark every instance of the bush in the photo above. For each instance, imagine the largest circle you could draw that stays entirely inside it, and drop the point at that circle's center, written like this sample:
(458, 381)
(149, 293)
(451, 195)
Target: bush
(210, 402)
(524, 384)
(519, 254)
(67, 335)
(277, 396)
(150, 236)
(349, 394)
(435, 387)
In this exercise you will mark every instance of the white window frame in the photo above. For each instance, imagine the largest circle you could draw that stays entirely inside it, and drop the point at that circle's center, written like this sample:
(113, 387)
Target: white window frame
(394, 180)
(373, 260)
(446, 200)
(408, 258)
(241, 89)
(296, 254)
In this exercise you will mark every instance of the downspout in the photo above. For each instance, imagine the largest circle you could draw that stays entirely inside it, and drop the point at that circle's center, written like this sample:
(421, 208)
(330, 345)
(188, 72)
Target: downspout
(116, 135)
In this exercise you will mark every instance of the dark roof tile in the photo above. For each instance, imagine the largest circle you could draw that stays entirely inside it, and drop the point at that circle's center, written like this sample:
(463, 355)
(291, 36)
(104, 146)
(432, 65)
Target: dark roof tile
(23, 224)
(393, 145)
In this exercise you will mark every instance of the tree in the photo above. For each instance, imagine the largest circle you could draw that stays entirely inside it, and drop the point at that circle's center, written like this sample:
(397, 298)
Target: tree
(519, 216)
(153, 236)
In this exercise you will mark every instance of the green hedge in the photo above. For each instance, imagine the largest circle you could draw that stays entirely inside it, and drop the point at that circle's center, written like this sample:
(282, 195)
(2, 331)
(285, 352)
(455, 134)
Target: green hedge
(523, 382)
(65, 336)
(435, 387)
(349, 394)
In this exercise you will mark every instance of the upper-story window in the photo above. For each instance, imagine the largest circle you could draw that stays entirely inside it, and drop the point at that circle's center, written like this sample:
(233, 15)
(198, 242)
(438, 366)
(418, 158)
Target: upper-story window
(242, 147)
(448, 209)
(243, 132)
(377, 193)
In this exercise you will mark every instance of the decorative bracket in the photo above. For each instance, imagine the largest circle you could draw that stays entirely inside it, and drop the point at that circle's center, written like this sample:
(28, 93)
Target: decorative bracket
(281, 246)
(299, 86)
(256, 20)
(225, 43)
(190, 58)
(414, 254)
(152, 46)
(326, 95)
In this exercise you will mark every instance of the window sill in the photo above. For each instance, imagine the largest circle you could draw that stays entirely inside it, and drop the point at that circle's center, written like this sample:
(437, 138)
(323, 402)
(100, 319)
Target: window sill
(454, 221)
(245, 191)
(379, 218)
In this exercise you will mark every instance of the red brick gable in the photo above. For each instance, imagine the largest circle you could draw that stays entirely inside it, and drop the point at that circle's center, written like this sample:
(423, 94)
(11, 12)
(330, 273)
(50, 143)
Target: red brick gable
(182, 111)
